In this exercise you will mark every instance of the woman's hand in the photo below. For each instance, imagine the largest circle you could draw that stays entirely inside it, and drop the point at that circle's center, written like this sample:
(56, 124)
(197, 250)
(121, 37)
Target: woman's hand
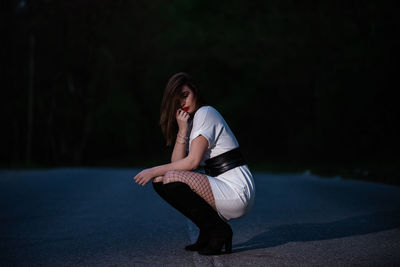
(143, 177)
(182, 118)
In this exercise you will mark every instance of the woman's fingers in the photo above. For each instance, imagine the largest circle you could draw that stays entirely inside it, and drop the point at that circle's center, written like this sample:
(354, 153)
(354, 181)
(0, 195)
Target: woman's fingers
(138, 179)
(182, 119)
(181, 111)
(183, 114)
(143, 177)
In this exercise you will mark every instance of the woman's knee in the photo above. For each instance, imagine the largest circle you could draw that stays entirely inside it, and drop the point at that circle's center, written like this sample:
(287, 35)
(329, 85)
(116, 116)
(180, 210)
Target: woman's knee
(158, 179)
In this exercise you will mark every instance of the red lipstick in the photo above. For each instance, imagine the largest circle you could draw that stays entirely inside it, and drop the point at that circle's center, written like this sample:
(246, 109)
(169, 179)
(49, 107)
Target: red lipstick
(185, 108)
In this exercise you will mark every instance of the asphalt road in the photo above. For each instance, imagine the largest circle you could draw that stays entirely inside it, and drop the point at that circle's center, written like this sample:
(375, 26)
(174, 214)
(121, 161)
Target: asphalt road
(100, 217)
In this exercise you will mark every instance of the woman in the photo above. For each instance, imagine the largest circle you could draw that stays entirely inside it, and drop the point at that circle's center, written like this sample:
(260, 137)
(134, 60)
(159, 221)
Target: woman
(202, 138)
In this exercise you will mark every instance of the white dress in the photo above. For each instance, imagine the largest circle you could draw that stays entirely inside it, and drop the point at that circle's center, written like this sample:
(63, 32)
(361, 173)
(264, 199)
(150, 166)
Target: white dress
(234, 190)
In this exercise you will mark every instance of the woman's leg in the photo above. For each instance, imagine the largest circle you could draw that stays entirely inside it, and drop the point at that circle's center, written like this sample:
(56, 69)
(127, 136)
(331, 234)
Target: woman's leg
(214, 232)
(196, 181)
(191, 193)
(158, 179)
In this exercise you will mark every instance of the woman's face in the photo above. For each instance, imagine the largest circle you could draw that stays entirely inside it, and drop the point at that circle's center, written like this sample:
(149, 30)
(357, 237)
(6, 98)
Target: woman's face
(188, 100)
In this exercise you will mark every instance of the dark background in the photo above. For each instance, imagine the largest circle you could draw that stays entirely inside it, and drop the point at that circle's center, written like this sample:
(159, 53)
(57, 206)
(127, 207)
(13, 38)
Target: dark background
(303, 85)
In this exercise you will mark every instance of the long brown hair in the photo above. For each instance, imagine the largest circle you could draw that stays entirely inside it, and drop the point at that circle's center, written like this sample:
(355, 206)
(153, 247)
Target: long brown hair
(171, 102)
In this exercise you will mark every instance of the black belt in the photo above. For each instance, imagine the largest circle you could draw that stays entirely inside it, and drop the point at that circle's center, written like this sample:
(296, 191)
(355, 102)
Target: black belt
(224, 162)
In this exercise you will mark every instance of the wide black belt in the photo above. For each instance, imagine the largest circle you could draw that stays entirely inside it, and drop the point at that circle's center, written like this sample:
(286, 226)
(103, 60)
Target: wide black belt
(224, 162)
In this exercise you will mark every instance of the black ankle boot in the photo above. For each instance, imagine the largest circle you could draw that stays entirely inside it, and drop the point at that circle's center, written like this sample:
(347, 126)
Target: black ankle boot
(202, 241)
(220, 236)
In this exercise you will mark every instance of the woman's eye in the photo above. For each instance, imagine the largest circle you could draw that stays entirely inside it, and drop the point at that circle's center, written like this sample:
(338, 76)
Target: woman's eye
(184, 95)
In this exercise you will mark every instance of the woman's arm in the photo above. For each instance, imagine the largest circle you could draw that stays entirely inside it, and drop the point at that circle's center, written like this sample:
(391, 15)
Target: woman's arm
(197, 149)
(179, 151)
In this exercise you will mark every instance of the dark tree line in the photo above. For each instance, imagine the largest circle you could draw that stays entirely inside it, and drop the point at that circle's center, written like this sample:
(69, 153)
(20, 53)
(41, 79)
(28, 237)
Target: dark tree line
(297, 82)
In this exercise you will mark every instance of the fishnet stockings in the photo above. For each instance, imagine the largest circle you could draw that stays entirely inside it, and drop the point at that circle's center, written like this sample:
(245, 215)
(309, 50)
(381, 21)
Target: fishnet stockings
(196, 181)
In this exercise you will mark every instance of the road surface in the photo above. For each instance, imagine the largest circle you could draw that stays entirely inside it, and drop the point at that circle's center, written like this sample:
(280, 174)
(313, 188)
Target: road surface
(100, 217)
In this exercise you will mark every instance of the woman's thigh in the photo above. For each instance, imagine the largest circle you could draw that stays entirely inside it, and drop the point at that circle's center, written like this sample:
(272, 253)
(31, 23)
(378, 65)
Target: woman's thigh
(228, 202)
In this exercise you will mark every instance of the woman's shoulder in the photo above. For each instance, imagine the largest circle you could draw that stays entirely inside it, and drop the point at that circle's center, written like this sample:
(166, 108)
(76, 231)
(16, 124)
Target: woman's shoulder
(208, 113)
(206, 110)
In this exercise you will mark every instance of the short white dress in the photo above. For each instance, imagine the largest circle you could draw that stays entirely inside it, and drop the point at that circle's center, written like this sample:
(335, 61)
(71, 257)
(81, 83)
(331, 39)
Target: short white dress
(233, 190)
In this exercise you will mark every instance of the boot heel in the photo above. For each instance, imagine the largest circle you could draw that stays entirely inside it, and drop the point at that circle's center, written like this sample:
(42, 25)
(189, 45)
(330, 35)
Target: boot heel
(228, 245)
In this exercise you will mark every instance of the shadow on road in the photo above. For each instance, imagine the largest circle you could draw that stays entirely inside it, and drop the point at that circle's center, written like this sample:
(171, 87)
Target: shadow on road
(365, 224)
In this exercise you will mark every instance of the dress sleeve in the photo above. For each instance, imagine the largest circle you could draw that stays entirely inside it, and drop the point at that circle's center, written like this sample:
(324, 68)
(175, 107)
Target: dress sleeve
(205, 124)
